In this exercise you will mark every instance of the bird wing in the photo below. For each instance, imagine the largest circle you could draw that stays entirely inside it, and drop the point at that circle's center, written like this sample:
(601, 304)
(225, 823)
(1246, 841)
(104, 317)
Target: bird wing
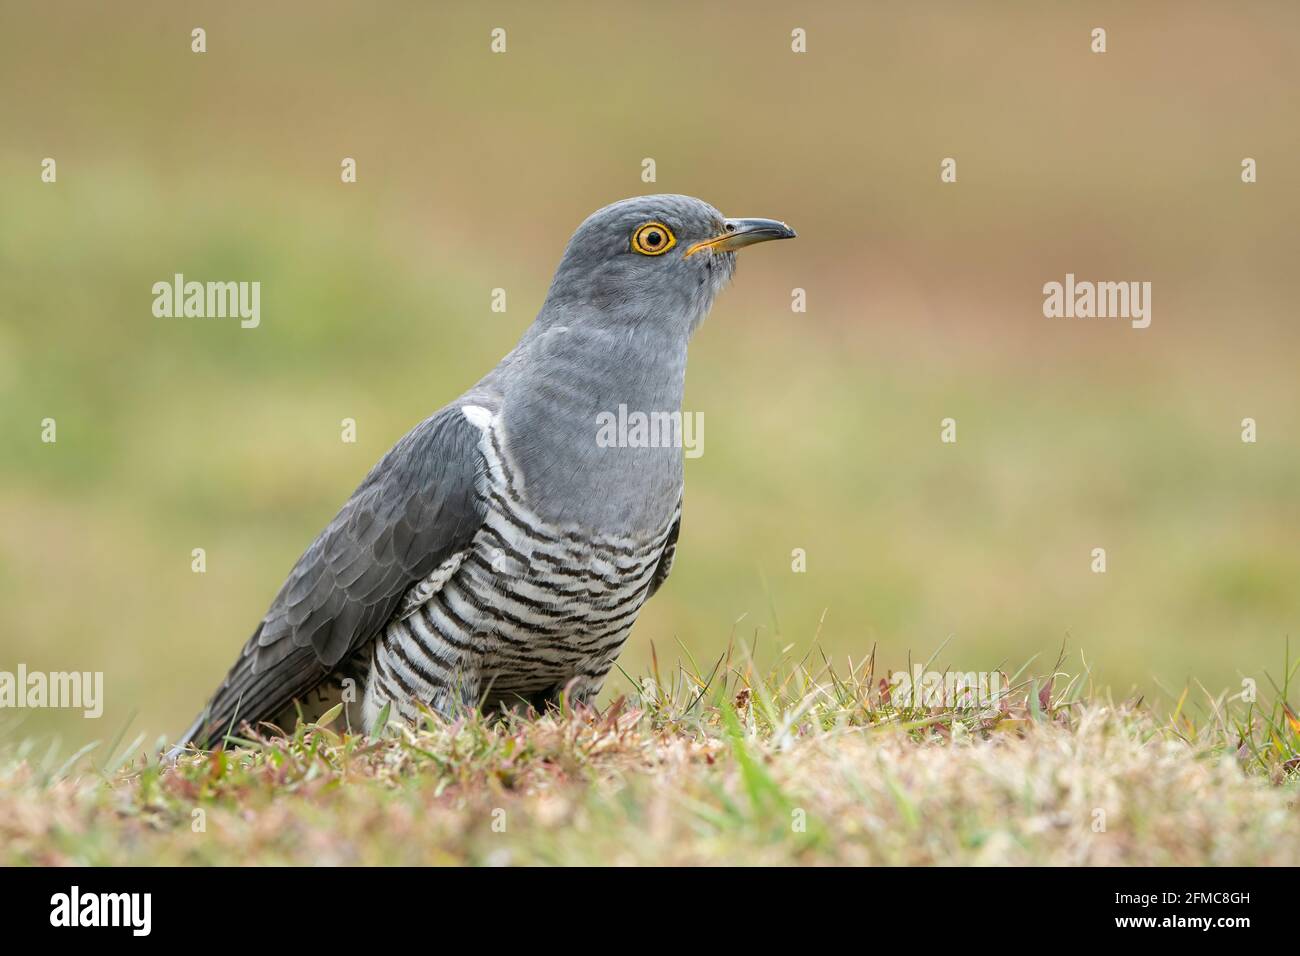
(665, 565)
(416, 509)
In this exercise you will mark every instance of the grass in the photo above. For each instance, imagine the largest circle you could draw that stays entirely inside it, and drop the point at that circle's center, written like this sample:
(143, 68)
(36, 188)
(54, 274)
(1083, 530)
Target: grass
(796, 765)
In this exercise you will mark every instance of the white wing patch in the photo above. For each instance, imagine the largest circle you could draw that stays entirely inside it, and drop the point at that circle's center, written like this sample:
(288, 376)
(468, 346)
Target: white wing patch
(421, 591)
(478, 416)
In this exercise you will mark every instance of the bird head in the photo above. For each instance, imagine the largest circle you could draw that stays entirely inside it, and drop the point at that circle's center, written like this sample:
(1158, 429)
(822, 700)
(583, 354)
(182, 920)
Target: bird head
(652, 259)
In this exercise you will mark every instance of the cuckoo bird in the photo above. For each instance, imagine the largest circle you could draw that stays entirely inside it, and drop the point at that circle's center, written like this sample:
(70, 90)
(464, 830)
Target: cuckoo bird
(499, 554)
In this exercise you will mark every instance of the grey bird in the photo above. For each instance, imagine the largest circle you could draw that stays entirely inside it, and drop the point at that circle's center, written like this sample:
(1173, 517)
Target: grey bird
(498, 555)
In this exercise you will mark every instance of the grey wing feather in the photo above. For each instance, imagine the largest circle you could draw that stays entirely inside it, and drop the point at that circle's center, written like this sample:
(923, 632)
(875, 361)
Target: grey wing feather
(415, 509)
(666, 557)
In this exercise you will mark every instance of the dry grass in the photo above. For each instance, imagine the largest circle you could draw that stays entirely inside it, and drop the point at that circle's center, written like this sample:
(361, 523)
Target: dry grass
(791, 767)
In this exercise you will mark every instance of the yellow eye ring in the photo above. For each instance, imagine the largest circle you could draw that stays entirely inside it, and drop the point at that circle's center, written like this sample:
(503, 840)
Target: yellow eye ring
(653, 239)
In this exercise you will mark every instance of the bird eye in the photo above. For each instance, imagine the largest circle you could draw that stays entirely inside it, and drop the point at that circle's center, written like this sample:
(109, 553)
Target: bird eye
(653, 239)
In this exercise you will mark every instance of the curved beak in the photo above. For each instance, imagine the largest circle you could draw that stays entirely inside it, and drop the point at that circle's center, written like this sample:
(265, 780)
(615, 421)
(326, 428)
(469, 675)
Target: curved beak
(738, 233)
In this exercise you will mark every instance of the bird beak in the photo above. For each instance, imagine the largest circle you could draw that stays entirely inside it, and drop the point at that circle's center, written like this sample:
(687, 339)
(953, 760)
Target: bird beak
(739, 233)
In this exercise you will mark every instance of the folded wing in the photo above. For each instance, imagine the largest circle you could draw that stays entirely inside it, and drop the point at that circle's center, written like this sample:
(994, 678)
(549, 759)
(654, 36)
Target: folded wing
(416, 508)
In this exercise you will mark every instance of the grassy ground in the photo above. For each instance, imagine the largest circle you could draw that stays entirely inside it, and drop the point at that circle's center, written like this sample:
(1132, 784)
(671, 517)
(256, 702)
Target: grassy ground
(797, 766)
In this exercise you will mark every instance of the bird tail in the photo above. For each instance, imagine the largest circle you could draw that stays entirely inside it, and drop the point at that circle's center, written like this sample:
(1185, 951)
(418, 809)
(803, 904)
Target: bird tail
(249, 695)
(178, 748)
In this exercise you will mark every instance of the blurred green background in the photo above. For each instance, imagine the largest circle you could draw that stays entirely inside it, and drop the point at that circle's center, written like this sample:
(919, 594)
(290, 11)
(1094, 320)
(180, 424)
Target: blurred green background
(924, 301)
